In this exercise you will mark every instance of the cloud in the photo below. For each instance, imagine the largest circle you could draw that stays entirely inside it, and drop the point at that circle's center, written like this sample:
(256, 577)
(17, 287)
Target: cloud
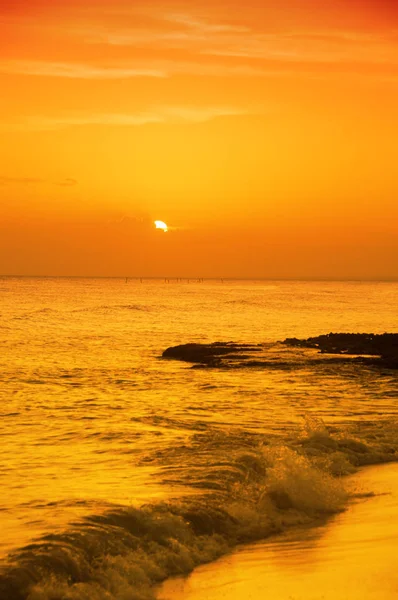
(241, 51)
(205, 37)
(156, 115)
(201, 34)
(312, 47)
(202, 25)
(42, 123)
(199, 114)
(76, 70)
(274, 66)
(211, 69)
(68, 182)
(177, 38)
(153, 68)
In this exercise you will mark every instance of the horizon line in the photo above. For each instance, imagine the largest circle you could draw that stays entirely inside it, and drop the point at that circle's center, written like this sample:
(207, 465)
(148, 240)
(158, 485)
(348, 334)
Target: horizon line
(194, 278)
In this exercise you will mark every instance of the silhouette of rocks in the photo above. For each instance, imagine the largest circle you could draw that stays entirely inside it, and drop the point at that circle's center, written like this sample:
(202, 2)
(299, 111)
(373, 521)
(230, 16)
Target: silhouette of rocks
(384, 346)
(367, 348)
(210, 355)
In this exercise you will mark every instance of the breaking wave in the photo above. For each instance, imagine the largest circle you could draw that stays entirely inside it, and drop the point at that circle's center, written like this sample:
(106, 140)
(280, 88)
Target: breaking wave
(248, 487)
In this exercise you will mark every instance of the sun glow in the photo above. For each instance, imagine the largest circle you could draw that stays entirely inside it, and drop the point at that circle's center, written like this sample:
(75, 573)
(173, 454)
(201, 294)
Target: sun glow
(161, 225)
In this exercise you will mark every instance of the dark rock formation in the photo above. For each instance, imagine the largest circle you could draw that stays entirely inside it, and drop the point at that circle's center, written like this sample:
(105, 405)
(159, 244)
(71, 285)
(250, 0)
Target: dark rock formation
(362, 348)
(383, 346)
(210, 355)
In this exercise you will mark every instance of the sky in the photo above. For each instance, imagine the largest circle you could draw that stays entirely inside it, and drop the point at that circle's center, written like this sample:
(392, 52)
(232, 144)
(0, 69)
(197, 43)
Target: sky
(263, 133)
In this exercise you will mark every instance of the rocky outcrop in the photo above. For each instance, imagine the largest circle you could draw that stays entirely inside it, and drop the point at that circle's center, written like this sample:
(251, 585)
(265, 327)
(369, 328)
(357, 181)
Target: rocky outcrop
(210, 355)
(364, 348)
(384, 346)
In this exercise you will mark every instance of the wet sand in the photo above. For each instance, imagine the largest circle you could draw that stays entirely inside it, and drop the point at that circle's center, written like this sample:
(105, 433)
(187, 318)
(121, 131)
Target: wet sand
(351, 557)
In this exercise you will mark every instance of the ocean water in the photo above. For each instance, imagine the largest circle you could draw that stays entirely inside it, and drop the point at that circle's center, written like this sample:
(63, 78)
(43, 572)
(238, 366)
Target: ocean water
(119, 468)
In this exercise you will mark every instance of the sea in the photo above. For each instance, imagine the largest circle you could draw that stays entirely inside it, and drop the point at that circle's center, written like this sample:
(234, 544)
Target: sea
(120, 468)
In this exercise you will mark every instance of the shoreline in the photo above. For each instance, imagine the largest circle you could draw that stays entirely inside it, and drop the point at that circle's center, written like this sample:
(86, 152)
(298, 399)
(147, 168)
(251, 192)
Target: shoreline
(351, 555)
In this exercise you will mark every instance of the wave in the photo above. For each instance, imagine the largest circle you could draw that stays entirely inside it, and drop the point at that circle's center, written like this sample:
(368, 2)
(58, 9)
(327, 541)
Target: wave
(113, 307)
(246, 302)
(251, 487)
(170, 423)
(35, 313)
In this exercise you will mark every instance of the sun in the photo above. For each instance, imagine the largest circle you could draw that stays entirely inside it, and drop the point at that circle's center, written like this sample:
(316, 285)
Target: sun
(161, 225)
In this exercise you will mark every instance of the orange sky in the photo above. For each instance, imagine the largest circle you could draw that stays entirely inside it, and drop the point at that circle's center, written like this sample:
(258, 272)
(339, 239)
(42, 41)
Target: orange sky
(263, 133)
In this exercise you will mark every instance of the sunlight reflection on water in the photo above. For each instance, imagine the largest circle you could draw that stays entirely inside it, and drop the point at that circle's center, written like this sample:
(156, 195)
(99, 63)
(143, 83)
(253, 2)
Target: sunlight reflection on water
(84, 395)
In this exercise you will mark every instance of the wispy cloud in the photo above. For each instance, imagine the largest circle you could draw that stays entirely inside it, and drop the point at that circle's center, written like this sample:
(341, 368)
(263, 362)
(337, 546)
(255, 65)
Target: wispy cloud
(202, 25)
(199, 114)
(153, 68)
(155, 115)
(206, 37)
(182, 31)
(311, 47)
(210, 48)
(199, 34)
(43, 123)
(212, 69)
(68, 182)
(141, 37)
(76, 70)
(274, 66)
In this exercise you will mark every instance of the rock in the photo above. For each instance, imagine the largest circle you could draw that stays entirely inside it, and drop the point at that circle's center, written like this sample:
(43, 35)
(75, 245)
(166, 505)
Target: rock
(384, 346)
(363, 348)
(209, 354)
